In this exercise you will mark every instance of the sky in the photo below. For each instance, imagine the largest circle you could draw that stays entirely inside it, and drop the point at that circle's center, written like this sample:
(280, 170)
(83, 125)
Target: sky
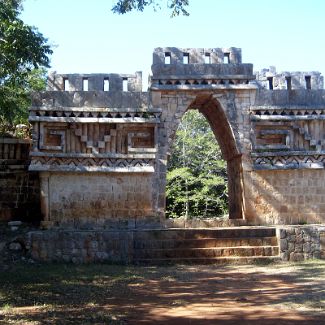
(87, 37)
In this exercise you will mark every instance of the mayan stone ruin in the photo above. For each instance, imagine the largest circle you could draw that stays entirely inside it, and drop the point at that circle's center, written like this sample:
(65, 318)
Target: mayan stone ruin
(101, 145)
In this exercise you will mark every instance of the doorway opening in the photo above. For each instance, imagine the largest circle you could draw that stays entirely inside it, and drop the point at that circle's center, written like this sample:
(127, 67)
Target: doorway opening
(197, 181)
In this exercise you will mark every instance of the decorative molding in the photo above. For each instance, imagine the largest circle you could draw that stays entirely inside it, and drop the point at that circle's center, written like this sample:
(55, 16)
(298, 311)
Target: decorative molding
(51, 131)
(288, 161)
(288, 137)
(95, 139)
(286, 113)
(93, 115)
(91, 164)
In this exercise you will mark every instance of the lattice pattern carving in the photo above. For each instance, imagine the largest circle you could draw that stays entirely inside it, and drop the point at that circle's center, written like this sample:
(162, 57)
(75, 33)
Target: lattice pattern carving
(92, 164)
(75, 114)
(289, 161)
(292, 137)
(204, 81)
(286, 113)
(53, 138)
(94, 139)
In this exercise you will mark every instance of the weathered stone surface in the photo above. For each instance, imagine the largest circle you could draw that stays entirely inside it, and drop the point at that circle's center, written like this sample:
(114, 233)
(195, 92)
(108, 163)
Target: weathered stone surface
(14, 223)
(296, 257)
(19, 189)
(2, 246)
(266, 191)
(270, 79)
(125, 246)
(15, 246)
(102, 148)
(284, 244)
(301, 242)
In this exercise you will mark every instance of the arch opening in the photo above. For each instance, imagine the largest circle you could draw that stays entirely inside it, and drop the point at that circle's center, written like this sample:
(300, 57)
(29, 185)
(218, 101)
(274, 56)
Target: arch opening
(197, 174)
(214, 113)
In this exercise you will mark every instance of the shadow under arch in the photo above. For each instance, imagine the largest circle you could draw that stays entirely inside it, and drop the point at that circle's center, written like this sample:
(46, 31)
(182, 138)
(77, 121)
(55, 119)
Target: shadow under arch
(212, 110)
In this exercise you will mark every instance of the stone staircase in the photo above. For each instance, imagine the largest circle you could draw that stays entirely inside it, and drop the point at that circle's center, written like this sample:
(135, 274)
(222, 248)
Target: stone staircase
(206, 246)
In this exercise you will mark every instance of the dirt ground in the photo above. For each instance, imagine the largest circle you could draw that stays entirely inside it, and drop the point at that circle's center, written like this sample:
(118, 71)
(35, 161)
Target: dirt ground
(229, 295)
(292, 294)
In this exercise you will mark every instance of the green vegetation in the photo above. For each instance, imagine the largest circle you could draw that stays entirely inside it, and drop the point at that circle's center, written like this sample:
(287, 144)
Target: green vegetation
(177, 7)
(197, 176)
(23, 58)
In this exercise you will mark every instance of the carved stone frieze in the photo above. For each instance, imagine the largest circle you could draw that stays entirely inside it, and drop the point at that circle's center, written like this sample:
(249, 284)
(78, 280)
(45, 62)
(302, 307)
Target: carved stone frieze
(85, 164)
(288, 137)
(112, 139)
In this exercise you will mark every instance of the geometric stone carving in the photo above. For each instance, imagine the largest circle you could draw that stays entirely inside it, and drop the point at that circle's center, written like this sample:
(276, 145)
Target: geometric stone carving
(52, 138)
(126, 138)
(291, 160)
(117, 138)
(288, 137)
(63, 164)
(272, 139)
(133, 142)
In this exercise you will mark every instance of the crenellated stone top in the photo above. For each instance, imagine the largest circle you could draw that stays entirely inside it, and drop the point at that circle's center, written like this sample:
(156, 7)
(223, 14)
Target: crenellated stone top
(194, 68)
(95, 82)
(180, 56)
(273, 80)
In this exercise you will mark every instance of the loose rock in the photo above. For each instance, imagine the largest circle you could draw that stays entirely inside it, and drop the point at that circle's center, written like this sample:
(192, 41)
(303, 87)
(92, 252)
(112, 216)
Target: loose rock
(15, 246)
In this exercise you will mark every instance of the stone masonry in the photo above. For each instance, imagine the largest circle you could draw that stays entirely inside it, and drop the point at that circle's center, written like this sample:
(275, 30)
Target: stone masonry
(101, 144)
(298, 243)
(19, 189)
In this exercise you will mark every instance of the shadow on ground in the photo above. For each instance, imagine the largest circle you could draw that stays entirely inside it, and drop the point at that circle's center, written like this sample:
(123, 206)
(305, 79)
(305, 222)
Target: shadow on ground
(112, 294)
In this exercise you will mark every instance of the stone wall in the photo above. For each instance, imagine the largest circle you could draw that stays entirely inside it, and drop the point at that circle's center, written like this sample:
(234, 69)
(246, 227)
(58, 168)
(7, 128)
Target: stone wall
(180, 56)
(270, 79)
(271, 137)
(97, 200)
(81, 246)
(96, 154)
(19, 189)
(107, 82)
(300, 243)
(295, 243)
(285, 196)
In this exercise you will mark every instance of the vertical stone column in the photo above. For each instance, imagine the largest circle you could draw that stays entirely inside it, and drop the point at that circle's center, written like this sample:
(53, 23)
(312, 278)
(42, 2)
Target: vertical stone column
(45, 198)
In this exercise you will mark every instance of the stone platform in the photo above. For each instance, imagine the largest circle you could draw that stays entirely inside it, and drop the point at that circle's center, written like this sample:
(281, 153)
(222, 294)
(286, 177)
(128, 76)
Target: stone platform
(190, 245)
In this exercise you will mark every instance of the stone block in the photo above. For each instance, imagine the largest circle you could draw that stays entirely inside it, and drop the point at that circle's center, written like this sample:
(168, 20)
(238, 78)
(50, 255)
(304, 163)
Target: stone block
(15, 246)
(298, 248)
(306, 247)
(283, 244)
(296, 257)
(317, 254)
(291, 246)
(284, 256)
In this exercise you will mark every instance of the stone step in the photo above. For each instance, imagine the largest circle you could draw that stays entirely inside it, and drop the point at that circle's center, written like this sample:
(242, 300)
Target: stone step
(247, 251)
(204, 233)
(214, 260)
(205, 243)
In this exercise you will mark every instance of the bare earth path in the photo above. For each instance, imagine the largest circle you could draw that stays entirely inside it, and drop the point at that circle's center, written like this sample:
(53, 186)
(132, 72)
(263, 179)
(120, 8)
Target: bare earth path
(109, 294)
(229, 295)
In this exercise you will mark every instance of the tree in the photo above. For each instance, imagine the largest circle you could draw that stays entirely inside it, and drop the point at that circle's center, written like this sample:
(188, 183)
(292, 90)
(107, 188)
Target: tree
(177, 7)
(23, 56)
(197, 177)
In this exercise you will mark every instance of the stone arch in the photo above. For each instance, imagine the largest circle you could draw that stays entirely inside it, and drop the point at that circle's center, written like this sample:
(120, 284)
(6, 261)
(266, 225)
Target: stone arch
(216, 115)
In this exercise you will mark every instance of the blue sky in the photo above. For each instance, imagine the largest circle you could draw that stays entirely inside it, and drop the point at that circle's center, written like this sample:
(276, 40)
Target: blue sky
(88, 37)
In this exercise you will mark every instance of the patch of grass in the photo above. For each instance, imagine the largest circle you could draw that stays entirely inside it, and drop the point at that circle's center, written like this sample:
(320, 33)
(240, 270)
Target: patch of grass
(59, 290)
(6, 307)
